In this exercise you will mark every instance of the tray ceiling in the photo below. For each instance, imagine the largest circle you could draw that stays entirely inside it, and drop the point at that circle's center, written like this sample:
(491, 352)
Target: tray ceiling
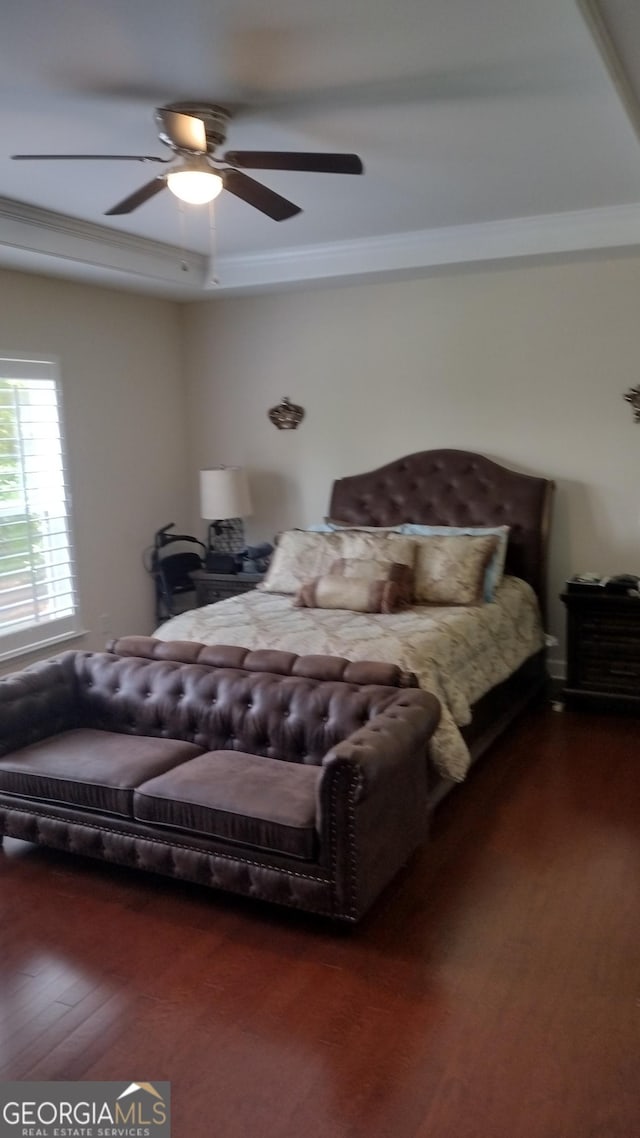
(487, 129)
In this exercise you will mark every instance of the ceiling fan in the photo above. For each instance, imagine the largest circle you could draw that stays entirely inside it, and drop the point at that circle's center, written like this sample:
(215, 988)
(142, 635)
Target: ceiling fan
(194, 131)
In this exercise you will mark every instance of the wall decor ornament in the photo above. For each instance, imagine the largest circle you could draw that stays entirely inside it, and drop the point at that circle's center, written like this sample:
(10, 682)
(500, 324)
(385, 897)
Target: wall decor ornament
(286, 416)
(633, 397)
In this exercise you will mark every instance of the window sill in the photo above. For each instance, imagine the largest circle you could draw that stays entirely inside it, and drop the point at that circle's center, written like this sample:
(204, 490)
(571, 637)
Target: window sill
(41, 645)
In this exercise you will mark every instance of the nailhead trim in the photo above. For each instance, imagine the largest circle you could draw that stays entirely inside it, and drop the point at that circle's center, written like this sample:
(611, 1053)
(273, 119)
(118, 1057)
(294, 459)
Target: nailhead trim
(284, 874)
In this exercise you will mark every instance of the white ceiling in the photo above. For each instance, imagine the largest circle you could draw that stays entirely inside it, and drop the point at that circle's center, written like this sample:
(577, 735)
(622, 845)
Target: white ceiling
(469, 116)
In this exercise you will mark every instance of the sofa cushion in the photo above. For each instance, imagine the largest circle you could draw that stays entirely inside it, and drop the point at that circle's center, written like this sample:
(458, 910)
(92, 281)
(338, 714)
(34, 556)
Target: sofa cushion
(236, 797)
(96, 770)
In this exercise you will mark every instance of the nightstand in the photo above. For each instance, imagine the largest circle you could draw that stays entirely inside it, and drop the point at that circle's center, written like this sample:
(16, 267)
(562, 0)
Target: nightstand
(212, 587)
(603, 649)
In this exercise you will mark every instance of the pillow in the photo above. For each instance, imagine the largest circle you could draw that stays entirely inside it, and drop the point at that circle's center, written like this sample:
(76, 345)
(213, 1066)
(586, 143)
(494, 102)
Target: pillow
(495, 569)
(334, 524)
(358, 594)
(302, 555)
(450, 569)
(372, 569)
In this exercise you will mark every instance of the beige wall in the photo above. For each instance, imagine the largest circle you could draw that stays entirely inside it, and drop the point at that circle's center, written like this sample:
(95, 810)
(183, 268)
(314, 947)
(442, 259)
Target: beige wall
(120, 364)
(525, 364)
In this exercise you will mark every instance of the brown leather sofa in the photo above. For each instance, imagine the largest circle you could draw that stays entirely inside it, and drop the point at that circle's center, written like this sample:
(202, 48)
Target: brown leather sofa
(295, 779)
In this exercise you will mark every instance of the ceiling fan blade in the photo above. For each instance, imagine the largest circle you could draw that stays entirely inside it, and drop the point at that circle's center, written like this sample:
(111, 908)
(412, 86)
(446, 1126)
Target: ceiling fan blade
(149, 190)
(90, 158)
(182, 131)
(255, 194)
(290, 160)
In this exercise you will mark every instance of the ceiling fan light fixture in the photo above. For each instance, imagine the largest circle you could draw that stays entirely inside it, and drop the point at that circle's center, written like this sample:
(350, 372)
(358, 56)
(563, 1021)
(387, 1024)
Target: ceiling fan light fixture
(194, 182)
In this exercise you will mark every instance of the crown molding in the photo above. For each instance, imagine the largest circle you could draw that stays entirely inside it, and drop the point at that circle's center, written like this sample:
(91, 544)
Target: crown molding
(598, 20)
(45, 242)
(367, 258)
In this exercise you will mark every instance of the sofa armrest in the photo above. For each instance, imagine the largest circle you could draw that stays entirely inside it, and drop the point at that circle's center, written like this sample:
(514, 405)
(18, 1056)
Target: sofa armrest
(377, 750)
(36, 702)
(372, 800)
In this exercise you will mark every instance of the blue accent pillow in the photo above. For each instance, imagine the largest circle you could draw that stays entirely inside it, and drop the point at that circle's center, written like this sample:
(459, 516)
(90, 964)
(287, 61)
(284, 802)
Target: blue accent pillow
(329, 526)
(495, 569)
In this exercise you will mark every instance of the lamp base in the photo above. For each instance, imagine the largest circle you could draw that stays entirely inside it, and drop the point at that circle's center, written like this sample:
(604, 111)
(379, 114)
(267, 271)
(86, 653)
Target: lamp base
(220, 562)
(226, 536)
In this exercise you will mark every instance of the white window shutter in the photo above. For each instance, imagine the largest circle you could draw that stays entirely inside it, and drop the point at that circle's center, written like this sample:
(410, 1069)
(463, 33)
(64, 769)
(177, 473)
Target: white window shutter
(38, 595)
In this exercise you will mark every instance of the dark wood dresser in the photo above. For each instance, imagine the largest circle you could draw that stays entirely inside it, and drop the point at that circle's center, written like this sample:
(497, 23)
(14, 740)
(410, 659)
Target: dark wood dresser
(603, 649)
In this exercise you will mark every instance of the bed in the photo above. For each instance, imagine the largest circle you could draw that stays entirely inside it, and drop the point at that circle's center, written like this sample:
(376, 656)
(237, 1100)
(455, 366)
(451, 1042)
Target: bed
(485, 662)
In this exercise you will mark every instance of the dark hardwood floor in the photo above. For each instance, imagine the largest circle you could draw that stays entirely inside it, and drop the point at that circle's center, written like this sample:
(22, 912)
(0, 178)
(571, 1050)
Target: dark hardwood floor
(493, 991)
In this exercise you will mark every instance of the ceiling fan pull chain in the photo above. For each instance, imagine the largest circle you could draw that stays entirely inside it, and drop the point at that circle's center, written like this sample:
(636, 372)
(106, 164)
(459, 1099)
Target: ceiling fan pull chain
(182, 221)
(212, 277)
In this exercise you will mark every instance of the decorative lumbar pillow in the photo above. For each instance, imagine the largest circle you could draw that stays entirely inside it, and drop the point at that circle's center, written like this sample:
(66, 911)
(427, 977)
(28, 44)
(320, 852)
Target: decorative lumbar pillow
(377, 569)
(301, 555)
(358, 594)
(495, 568)
(450, 570)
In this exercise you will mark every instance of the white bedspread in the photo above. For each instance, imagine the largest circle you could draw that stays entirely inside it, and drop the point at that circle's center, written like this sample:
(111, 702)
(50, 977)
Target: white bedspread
(459, 653)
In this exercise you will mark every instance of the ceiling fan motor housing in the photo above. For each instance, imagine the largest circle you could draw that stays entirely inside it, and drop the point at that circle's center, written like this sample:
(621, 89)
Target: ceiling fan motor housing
(214, 118)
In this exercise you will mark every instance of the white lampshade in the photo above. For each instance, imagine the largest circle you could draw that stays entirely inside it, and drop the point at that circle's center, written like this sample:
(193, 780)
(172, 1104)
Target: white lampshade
(224, 493)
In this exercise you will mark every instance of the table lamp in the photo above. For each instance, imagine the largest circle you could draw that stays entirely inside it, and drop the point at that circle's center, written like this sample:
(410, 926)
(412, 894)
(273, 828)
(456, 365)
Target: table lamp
(224, 502)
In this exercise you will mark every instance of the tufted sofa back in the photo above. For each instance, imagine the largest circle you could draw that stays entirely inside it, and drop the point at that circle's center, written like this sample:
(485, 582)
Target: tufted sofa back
(297, 718)
(265, 660)
(293, 713)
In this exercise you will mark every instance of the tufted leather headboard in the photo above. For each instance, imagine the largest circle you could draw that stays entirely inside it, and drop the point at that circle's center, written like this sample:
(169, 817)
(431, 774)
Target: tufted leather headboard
(455, 488)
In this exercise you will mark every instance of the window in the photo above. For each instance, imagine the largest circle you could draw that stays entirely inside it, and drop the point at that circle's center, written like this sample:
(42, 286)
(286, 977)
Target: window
(37, 579)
